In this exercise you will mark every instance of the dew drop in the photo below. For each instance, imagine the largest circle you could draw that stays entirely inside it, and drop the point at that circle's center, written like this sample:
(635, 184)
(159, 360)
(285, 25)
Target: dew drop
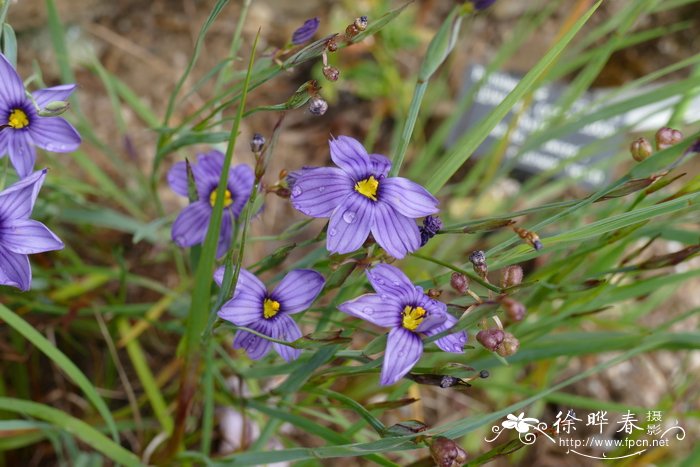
(402, 354)
(296, 191)
(380, 281)
(332, 232)
(457, 348)
(368, 311)
(384, 297)
(321, 189)
(349, 216)
(396, 283)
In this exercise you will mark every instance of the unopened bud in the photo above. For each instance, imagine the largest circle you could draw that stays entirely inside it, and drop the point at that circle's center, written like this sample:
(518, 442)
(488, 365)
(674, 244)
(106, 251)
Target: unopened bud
(640, 149)
(667, 137)
(332, 45)
(431, 226)
(511, 276)
(490, 338)
(318, 106)
(257, 142)
(509, 346)
(447, 453)
(54, 109)
(459, 282)
(434, 293)
(478, 260)
(361, 23)
(514, 309)
(331, 73)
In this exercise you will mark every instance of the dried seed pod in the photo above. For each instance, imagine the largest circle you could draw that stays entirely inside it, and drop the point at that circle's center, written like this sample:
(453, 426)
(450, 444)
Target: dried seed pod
(491, 338)
(514, 309)
(332, 45)
(318, 106)
(447, 453)
(331, 73)
(667, 137)
(508, 346)
(511, 276)
(640, 149)
(459, 282)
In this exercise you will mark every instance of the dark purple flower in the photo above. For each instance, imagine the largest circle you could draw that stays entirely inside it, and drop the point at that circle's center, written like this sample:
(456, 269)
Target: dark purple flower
(191, 225)
(306, 31)
(359, 198)
(252, 306)
(482, 4)
(21, 127)
(431, 226)
(404, 308)
(19, 235)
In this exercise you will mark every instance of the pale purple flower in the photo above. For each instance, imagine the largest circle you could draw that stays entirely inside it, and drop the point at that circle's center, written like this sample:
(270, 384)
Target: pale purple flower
(19, 235)
(21, 126)
(359, 198)
(191, 225)
(268, 313)
(306, 31)
(403, 307)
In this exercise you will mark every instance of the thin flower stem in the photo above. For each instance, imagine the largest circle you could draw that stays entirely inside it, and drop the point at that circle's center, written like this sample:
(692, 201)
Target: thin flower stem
(410, 123)
(471, 276)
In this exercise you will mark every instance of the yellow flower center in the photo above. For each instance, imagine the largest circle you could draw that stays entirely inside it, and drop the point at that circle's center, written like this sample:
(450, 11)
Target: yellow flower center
(18, 119)
(270, 308)
(412, 317)
(227, 198)
(368, 187)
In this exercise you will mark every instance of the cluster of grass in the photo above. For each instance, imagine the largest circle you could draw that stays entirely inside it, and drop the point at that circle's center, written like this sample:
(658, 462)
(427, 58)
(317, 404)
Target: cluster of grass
(102, 360)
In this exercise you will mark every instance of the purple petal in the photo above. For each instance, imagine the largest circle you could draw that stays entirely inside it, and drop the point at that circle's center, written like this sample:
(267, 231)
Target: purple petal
(54, 134)
(17, 200)
(244, 309)
(256, 347)
(250, 284)
(349, 154)
(219, 275)
(318, 191)
(207, 172)
(240, 182)
(394, 232)
(27, 237)
(177, 178)
(306, 31)
(297, 291)
(52, 94)
(3, 143)
(389, 279)
(11, 86)
(407, 197)
(15, 270)
(350, 224)
(381, 311)
(191, 225)
(381, 165)
(284, 328)
(225, 234)
(21, 150)
(453, 343)
(436, 312)
(403, 350)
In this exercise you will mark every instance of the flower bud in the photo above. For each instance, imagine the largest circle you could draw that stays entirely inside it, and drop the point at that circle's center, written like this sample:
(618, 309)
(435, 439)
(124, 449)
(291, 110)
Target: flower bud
(514, 309)
(361, 23)
(431, 226)
(434, 293)
(478, 260)
(331, 73)
(332, 45)
(447, 453)
(667, 137)
(54, 109)
(318, 106)
(511, 276)
(640, 149)
(459, 282)
(257, 142)
(491, 338)
(509, 345)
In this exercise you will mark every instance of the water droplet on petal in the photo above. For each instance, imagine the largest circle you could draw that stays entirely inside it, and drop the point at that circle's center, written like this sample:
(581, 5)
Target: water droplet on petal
(332, 232)
(402, 354)
(396, 283)
(368, 311)
(321, 189)
(384, 296)
(296, 191)
(349, 216)
(380, 281)
(457, 348)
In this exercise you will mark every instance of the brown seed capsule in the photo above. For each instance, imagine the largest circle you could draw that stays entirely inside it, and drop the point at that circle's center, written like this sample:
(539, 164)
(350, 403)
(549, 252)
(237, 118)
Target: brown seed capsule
(490, 338)
(351, 31)
(530, 237)
(640, 149)
(511, 276)
(509, 345)
(332, 45)
(478, 260)
(318, 106)
(447, 453)
(283, 192)
(434, 293)
(667, 137)
(459, 282)
(331, 73)
(361, 23)
(514, 309)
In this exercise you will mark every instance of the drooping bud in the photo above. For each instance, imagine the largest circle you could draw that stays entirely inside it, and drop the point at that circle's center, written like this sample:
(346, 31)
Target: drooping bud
(511, 276)
(331, 73)
(667, 137)
(318, 106)
(509, 346)
(478, 260)
(640, 149)
(447, 453)
(490, 338)
(257, 142)
(514, 309)
(459, 282)
(54, 109)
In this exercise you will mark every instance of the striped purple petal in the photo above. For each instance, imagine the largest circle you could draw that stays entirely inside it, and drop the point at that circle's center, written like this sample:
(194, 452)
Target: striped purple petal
(11, 86)
(14, 269)
(28, 237)
(394, 232)
(240, 183)
(17, 200)
(381, 310)
(381, 165)
(388, 279)
(284, 328)
(21, 151)
(403, 350)
(349, 154)
(350, 224)
(54, 134)
(191, 225)
(255, 346)
(454, 342)
(177, 178)
(317, 191)
(52, 94)
(407, 197)
(297, 291)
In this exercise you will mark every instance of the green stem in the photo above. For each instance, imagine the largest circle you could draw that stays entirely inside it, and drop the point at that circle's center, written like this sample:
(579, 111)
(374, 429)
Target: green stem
(411, 118)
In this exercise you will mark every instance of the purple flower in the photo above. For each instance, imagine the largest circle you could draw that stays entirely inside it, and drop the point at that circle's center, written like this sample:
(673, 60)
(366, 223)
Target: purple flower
(482, 4)
(306, 31)
(19, 235)
(191, 225)
(404, 308)
(252, 306)
(359, 198)
(431, 226)
(21, 127)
